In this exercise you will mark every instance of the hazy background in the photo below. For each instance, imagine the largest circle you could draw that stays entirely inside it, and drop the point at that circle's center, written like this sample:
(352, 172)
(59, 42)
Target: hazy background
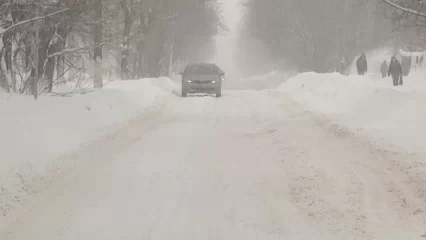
(133, 39)
(227, 43)
(237, 51)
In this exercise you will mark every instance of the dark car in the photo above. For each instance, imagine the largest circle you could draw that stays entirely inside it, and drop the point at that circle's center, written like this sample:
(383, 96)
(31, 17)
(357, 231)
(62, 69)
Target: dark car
(202, 78)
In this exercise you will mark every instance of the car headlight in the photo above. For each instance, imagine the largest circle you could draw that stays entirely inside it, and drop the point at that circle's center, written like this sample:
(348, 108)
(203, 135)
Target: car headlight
(213, 81)
(189, 81)
(222, 78)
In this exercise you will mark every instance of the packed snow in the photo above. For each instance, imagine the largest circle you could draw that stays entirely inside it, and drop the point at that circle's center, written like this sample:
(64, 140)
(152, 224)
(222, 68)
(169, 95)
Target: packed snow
(250, 165)
(321, 156)
(38, 138)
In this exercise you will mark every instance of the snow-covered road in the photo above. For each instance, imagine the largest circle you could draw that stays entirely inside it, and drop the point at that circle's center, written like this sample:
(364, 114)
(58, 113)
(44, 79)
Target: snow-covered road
(251, 165)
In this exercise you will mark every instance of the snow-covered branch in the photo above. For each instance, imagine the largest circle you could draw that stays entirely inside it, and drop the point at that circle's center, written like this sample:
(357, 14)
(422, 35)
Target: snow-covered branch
(172, 16)
(405, 9)
(71, 50)
(3, 31)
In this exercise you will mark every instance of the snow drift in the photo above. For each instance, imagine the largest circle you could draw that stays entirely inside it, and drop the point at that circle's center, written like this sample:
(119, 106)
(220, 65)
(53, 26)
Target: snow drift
(270, 80)
(34, 134)
(391, 115)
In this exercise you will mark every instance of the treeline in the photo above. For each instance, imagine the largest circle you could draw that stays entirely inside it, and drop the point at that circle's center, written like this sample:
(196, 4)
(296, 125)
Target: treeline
(408, 19)
(326, 35)
(48, 42)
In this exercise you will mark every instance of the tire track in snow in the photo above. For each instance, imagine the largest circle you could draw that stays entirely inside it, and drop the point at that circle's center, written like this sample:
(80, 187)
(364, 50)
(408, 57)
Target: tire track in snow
(253, 165)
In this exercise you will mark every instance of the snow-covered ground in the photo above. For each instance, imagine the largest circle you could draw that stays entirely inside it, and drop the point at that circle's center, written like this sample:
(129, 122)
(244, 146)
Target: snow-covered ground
(296, 162)
(270, 80)
(368, 105)
(38, 139)
(250, 165)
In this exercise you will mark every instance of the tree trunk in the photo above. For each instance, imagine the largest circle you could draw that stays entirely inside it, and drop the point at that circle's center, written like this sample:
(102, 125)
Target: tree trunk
(60, 68)
(128, 21)
(28, 51)
(3, 79)
(26, 87)
(50, 68)
(60, 60)
(140, 44)
(7, 41)
(35, 74)
(144, 25)
(13, 75)
(45, 48)
(50, 63)
(98, 42)
(172, 48)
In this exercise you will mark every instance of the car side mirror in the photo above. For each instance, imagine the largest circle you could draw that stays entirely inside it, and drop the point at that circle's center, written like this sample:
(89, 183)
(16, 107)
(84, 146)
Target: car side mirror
(180, 73)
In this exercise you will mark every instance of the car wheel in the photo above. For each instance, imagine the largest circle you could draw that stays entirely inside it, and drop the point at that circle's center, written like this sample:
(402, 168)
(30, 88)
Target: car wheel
(219, 94)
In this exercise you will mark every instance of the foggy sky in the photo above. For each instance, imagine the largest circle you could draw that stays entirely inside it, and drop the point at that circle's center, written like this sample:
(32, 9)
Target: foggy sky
(226, 45)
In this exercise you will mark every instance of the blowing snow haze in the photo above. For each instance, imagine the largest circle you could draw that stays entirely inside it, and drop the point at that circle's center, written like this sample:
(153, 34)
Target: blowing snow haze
(241, 54)
(227, 42)
(212, 119)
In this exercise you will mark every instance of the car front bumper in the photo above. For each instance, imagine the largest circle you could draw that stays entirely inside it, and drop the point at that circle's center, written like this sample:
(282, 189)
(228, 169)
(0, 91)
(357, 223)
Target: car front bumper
(201, 87)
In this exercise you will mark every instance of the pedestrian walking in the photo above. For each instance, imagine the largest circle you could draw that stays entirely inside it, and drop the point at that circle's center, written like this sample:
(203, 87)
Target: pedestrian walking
(361, 64)
(395, 70)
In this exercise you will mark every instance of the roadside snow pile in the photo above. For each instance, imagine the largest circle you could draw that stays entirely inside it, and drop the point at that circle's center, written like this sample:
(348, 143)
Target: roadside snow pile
(35, 134)
(391, 115)
(415, 81)
(270, 80)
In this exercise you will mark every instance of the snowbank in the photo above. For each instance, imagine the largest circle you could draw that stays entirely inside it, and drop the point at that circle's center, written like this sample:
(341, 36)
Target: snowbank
(391, 115)
(270, 80)
(34, 134)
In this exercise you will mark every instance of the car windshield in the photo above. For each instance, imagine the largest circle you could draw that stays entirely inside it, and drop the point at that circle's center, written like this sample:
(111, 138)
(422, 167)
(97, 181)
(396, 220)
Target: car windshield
(201, 69)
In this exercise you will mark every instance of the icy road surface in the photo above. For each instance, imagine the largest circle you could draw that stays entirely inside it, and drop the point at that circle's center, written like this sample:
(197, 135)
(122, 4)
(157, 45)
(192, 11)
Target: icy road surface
(251, 165)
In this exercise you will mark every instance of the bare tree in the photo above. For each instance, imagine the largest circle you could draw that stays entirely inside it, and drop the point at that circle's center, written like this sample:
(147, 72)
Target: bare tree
(317, 36)
(126, 5)
(145, 37)
(415, 4)
(409, 21)
(98, 26)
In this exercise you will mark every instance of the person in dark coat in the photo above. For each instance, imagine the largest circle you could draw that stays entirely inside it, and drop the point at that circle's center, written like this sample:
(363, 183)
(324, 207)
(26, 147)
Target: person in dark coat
(395, 70)
(361, 64)
(384, 69)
